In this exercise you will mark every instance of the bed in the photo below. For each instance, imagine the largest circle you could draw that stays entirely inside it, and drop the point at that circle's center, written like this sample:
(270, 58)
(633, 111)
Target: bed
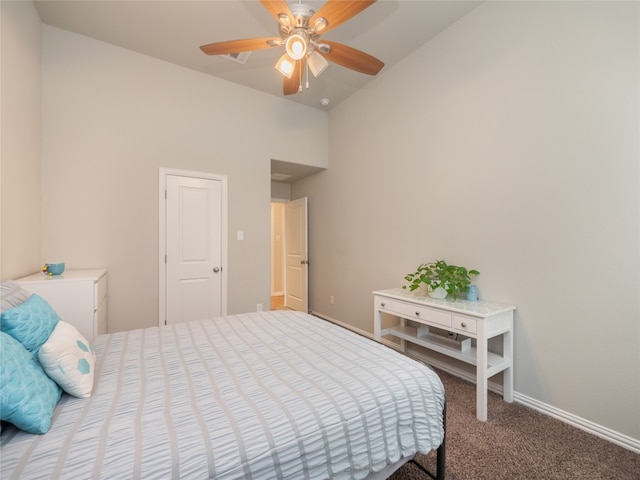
(266, 395)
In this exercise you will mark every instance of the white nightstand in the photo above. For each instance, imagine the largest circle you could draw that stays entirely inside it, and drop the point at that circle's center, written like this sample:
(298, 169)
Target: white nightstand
(79, 297)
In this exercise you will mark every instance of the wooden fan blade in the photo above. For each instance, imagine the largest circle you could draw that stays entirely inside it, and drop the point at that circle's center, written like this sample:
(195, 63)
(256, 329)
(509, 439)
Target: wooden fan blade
(276, 7)
(351, 58)
(237, 46)
(336, 12)
(292, 85)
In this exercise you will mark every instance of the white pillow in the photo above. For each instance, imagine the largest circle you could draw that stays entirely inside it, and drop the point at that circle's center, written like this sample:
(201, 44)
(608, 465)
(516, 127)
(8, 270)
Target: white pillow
(69, 360)
(12, 295)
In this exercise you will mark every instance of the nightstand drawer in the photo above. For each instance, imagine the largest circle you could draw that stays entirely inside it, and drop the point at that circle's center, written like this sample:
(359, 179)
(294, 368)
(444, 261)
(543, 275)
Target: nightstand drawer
(464, 324)
(414, 312)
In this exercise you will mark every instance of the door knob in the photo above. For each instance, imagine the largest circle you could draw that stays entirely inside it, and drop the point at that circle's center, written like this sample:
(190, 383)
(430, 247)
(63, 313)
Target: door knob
(216, 269)
(304, 262)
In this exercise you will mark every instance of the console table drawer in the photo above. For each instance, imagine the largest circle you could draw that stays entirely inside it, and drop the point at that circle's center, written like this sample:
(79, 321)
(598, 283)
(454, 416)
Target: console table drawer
(464, 324)
(415, 312)
(384, 303)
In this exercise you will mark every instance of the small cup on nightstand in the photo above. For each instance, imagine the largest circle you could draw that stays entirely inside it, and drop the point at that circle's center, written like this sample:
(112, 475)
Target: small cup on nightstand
(53, 268)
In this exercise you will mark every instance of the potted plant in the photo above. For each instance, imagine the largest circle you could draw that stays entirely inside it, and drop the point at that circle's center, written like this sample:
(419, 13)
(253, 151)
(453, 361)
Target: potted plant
(441, 279)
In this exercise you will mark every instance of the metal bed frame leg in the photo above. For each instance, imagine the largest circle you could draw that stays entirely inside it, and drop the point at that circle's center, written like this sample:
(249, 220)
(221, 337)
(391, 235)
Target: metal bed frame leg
(440, 452)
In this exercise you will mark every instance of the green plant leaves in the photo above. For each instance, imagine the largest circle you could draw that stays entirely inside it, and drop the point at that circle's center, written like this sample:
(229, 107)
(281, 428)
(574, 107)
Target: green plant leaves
(453, 278)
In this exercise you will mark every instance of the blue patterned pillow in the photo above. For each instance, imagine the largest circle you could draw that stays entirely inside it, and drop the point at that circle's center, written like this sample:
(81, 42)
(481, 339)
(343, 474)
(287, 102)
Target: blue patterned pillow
(30, 323)
(27, 396)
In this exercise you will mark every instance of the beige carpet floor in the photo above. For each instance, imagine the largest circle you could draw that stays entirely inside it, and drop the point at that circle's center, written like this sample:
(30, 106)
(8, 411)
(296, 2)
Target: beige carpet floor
(518, 443)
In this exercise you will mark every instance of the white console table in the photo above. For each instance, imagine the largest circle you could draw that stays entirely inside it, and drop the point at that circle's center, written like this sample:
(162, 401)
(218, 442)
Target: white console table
(479, 320)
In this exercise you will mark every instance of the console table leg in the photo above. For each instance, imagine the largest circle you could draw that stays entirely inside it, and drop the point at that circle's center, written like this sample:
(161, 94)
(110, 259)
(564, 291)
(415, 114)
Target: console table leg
(377, 324)
(507, 376)
(481, 378)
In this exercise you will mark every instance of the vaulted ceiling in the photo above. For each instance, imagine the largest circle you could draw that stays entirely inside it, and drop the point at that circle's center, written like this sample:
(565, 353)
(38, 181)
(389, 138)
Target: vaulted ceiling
(174, 30)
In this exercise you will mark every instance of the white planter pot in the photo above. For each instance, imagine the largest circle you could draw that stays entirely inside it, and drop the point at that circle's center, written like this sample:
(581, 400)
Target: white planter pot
(437, 293)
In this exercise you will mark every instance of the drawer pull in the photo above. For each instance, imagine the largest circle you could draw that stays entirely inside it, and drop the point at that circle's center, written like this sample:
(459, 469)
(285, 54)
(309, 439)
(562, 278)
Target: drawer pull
(417, 314)
(383, 304)
(463, 324)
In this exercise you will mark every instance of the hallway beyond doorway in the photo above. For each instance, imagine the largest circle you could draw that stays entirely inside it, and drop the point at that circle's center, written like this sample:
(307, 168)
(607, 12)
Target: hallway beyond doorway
(277, 303)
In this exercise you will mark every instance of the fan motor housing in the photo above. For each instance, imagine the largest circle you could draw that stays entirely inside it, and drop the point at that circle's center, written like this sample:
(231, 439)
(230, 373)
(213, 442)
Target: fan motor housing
(302, 13)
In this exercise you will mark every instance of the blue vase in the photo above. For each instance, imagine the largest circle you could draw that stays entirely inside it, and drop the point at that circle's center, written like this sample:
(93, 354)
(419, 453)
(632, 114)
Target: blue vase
(472, 293)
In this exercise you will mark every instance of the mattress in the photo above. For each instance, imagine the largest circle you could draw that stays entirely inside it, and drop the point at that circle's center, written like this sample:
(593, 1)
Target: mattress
(253, 396)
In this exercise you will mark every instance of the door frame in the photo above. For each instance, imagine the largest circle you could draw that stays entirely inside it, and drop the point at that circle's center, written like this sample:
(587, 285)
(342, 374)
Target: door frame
(279, 232)
(162, 238)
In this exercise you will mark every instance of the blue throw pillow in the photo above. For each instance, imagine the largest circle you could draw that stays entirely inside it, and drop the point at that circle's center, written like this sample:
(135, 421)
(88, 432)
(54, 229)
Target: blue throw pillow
(31, 323)
(28, 396)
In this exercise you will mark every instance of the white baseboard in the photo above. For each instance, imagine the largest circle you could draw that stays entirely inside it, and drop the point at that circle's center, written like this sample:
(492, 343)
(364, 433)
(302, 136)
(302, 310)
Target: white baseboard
(605, 433)
(579, 422)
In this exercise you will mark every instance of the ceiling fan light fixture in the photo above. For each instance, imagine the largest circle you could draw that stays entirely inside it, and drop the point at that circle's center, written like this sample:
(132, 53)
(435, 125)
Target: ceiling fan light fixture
(296, 46)
(323, 48)
(320, 24)
(317, 63)
(286, 66)
(284, 20)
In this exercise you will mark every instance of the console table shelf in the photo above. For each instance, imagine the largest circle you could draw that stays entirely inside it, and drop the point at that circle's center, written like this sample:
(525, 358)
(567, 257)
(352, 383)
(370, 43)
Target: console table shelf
(479, 320)
(441, 344)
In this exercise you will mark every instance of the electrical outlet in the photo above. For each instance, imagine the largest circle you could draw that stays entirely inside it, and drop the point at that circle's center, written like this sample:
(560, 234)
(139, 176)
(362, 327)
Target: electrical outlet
(259, 307)
(332, 300)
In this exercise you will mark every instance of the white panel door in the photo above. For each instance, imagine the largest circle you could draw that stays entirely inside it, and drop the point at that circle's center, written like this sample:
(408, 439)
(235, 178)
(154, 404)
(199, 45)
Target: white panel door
(297, 263)
(193, 246)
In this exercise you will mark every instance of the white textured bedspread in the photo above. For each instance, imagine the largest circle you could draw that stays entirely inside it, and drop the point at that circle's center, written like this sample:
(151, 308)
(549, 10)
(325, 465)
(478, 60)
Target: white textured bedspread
(269, 395)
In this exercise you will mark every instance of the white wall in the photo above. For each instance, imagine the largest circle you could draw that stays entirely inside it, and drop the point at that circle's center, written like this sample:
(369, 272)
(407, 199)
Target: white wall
(509, 143)
(20, 104)
(111, 118)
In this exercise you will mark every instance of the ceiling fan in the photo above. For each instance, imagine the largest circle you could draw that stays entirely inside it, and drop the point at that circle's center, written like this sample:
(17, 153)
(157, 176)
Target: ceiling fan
(300, 27)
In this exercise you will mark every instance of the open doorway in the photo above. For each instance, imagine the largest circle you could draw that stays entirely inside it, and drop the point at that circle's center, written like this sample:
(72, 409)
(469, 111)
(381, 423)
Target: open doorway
(289, 258)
